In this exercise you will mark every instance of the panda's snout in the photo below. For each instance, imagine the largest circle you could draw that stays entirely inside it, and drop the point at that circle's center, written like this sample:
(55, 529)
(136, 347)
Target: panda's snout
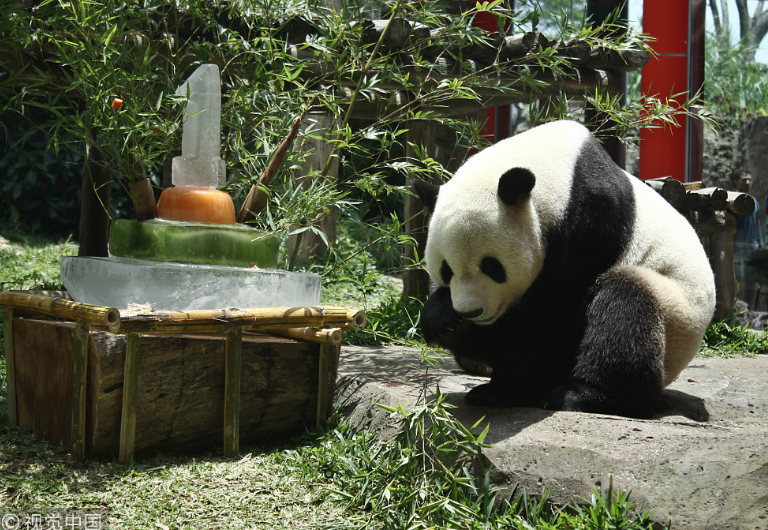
(474, 313)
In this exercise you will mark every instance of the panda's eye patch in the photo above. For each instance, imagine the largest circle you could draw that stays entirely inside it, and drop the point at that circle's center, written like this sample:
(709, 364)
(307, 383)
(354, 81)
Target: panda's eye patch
(446, 272)
(493, 268)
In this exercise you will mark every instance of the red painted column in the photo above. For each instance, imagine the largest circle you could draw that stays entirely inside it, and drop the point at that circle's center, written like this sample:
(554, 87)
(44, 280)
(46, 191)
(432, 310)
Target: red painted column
(678, 30)
(496, 125)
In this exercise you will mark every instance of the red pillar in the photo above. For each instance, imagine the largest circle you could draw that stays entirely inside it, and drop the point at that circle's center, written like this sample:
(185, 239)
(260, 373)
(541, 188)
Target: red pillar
(678, 30)
(496, 125)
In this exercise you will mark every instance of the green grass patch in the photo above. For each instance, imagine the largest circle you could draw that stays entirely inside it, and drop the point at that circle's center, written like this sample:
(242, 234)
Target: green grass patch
(732, 338)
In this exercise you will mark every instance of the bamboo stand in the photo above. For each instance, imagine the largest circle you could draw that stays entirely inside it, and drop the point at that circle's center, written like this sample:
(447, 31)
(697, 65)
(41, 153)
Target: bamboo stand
(302, 323)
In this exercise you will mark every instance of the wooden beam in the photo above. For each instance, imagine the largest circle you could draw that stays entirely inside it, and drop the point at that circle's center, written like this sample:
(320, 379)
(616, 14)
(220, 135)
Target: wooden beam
(10, 371)
(79, 381)
(130, 388)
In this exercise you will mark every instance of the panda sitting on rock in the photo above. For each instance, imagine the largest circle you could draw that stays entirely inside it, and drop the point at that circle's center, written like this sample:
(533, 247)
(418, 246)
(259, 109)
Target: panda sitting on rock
(573, 283)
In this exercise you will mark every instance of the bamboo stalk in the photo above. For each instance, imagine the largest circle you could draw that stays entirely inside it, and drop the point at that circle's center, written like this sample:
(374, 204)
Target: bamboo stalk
(215, 321)
(79, 381)
(322, 383)
(332, 336)
(232, 376)
(257, 197)
(63, 308)
(130, 388)
(143, 199)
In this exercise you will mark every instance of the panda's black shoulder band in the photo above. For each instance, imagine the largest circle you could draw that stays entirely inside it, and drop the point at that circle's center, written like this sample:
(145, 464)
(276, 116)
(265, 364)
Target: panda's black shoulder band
(515, 185)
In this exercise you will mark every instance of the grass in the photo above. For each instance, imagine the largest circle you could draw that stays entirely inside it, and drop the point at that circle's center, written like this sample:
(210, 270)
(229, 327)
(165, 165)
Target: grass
(434, 475)
(731, 338)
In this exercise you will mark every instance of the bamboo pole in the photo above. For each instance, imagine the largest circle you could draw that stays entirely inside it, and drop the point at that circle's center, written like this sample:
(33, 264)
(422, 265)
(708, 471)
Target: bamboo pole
(257, 197)
(232, 373)
(216, 321)
(130, 389)
(322, 383)
(332, 336)
(58, 306)
(10, 368)
(79, 380)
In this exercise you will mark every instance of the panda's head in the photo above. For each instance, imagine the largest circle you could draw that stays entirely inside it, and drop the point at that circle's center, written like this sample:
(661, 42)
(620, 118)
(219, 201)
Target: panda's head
(485, 239)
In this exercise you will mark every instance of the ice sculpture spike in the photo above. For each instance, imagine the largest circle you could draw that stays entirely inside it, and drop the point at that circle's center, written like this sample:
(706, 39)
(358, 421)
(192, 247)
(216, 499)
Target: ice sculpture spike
(200, 164)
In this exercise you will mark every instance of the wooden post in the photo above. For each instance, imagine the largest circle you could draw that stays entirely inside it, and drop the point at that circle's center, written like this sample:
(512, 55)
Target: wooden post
(232, 369)
(79, 379)
(721, 259)
(130, 388)
(10, 372)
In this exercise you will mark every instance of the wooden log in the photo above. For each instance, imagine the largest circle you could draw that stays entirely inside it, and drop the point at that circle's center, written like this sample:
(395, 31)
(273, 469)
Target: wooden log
(518, 45)
(232, 375)
(63, 308)
(617, 60)
(396, 37)
(10, 372)
(130, 389)
(672, 190)
(741, 203)
(79, 380)
(181, 387)
(711, 199)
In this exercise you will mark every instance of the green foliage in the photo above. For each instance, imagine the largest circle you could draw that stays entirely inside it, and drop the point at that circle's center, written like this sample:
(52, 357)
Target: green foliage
(736, 87)
(40, 189)
(434, 475)
(729, 337)
(606, 512)
(32, 268)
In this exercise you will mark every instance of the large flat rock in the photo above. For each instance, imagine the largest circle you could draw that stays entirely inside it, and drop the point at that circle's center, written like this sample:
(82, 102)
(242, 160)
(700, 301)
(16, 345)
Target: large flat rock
(702, 463)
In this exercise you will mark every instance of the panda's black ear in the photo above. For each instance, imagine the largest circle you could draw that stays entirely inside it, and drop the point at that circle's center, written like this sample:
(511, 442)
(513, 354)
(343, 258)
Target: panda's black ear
(427, 193)
(515, 185)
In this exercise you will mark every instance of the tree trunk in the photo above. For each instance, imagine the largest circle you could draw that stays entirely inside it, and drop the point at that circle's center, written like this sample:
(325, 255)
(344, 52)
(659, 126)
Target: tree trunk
(94, 204)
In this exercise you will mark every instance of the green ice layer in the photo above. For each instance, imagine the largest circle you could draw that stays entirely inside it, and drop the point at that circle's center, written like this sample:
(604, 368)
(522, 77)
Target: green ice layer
(202, 243)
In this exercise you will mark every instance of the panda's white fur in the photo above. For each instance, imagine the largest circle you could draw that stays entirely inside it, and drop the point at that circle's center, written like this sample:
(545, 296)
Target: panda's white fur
(660, 255)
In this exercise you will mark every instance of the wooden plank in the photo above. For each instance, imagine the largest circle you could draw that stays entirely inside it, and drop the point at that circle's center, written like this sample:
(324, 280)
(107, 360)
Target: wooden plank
(130, 388)
(79, 378)
(10, 371)
(232, 373)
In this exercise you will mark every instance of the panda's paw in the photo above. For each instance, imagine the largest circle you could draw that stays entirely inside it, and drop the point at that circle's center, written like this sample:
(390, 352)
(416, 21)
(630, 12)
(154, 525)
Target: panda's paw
(490, 395)
(555, 399)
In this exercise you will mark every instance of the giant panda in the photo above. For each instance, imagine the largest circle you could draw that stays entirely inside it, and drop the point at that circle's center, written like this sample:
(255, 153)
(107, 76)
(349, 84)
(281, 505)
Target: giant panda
(574, 283)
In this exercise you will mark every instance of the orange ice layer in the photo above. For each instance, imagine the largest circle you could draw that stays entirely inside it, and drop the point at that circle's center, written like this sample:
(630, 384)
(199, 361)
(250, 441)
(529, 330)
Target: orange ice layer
(204, 205)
